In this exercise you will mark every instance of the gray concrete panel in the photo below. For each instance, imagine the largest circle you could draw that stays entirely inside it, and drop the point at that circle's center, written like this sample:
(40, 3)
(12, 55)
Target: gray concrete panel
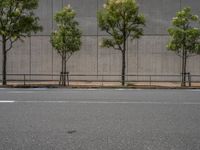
(132, 54)
(41, 55)
(170, 64)
(56, 64)
(100, 6)
(154, 58)
(145, 64)
(19, 58)
(45, 13)
(193, 65)
(158, 14)
(88, 25)
(109, 61)
(153, 44)
(86, 14)
(194, 4)
(84, 8)
(57, 6)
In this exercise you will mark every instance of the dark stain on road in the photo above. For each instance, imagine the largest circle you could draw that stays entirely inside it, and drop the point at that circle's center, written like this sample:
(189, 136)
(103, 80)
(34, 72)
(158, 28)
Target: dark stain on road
(71, 131)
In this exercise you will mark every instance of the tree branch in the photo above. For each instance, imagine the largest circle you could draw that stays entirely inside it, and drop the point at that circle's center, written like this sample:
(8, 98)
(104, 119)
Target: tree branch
(69, 56)
(1, 13)
(192, 55)
(179, 54)
(11, 44)
(117, 48)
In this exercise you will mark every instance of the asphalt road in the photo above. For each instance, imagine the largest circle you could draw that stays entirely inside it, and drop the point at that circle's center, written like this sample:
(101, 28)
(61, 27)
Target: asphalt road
(67, 119)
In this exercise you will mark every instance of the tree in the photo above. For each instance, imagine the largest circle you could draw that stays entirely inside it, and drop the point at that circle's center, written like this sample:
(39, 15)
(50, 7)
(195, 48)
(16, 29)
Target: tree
(121, 20)
(184, 37)
(67, 38)
(17, 21)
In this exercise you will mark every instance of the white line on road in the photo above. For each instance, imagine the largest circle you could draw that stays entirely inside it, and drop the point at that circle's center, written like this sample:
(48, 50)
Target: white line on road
(6, 101)
(19, 92)
(29, 91)
(195, 90)
(103, 102)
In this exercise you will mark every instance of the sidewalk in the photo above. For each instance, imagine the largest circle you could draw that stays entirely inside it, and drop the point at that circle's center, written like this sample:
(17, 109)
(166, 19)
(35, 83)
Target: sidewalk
(88, 84)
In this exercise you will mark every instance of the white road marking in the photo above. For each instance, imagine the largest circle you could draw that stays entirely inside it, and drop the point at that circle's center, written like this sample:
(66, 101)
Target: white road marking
(104, 102)
(19, 92)
(39, 89)
(6, 101)
(33, 90)
(127, 89)
(196, 90)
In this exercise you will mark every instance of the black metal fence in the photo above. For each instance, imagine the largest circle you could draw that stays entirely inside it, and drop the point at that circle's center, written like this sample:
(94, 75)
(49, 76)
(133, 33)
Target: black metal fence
(38, 78)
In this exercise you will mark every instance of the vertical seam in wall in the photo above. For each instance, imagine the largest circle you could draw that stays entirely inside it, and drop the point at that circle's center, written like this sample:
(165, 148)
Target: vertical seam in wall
(97, 40)
(180, 59)
(137, 57)
(52, 61)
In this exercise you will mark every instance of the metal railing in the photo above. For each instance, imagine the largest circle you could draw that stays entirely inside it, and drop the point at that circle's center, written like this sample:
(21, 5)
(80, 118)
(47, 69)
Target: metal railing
(102, 78)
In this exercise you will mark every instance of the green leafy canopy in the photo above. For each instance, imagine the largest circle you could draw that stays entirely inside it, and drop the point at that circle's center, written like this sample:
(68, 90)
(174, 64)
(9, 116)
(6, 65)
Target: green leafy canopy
(120, 19)
(17, 19)
(67, 38)
(183, 33)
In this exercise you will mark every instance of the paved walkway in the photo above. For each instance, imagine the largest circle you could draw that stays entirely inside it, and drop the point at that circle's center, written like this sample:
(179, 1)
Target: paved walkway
(105, 84)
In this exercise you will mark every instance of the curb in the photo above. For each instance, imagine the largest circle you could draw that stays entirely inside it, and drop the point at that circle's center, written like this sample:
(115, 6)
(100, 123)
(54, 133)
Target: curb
(97, 87)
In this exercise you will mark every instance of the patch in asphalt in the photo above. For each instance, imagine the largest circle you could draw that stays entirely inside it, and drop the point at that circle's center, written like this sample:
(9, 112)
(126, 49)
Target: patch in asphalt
(71, 131)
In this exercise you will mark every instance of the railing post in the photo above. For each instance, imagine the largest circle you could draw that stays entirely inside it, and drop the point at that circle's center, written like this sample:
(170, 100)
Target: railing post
(24, 79)
(102, 80)
(67, 78)
(189, 79)
(150, 79)
(61, 78)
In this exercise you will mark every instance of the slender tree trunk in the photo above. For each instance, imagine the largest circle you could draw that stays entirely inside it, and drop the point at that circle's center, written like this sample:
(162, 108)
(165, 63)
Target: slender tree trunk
(124, 63)
(61, 74)
(4, 63)
(184, 66)
(123, 67)
(64, 69)
(124, 55)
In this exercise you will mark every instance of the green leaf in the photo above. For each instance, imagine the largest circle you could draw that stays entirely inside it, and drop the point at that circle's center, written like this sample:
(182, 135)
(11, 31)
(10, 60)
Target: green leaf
(18, 19)
(67, 38)
(183, 33)
(121, 20)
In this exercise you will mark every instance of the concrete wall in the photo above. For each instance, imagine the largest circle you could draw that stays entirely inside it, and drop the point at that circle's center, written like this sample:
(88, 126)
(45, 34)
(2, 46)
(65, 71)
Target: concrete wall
(147, 55)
